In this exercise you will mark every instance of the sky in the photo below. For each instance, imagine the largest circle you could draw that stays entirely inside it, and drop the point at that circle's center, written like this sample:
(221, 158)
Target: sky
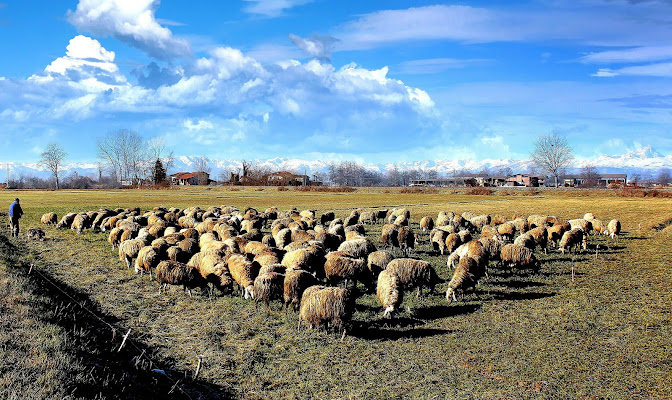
(367, 81)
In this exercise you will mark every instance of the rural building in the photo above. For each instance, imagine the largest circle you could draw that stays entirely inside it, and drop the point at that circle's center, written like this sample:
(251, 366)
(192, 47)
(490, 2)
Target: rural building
(480, 180)
(190, 178)
(286, 178)
(603, 180)
(523, 180)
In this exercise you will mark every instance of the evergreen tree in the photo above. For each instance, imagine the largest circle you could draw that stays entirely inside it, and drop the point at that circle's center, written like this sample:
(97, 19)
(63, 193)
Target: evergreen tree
(159, 172)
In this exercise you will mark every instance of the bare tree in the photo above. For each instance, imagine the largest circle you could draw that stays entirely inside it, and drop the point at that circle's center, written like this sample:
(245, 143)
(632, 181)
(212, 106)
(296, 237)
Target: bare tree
(590, 176)
(635, 178)
(505, 171)
(552, 153)
(124, 152)
(157, 150)
(202, 164)
(52, 157)
(664, 177)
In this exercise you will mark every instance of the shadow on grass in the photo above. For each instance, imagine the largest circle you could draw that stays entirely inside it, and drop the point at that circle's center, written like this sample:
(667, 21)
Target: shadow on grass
(522, 296)
(445, 311)
(518, 284)
(372, 332)
(115, 372)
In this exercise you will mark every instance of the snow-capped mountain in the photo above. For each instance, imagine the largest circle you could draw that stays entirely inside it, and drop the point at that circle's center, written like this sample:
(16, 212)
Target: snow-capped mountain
(644, 161)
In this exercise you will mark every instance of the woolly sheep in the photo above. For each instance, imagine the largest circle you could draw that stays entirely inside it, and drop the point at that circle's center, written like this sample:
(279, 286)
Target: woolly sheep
(614, 228)
(442, 219)
(49, 218)
(267, 258)
(465, 235)
(520, 224)
(492, 246)
(283, 238)
(268, 241)
(368, 217)
(438, 240)
(243, 272)
(66, 221)
(402, 220)
(310, 258)
(515, 256)
(80, 222)
(506, 230)
(320, 305)
(327, 217)
(147, 259)
(540, 236)
(390, 235)
(329, 240)
(340, 266)
(452, 242)
(585, 225)
(214, 270)
(176, 273)
(525, 240)
(129, 249)
(589, 217)
(378, 260)
(466, 275)
(296, 282)
(555, 233)
(480, 221)
(427, 224)
(599, 226)
(414, 273)
(267, 287)
(389, 292)
(574, 238)
(357, 247)
(406, 239)
(277, 268)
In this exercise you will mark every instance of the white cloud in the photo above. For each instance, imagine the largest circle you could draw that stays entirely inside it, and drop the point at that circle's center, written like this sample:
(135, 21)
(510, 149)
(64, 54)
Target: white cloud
(199, 126)
(657, 70)
(316, 46)
(635, 55)
(272, 8)
(436, 65)
(132, 22)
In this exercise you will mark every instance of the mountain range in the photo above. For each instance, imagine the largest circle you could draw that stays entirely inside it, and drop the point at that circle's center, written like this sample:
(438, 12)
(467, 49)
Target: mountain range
(644, 161)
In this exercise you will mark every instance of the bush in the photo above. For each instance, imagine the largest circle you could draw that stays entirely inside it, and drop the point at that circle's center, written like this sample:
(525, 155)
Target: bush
(480, 190)
(282, 188)
(630, 192)
(419, 190)
(328, 189)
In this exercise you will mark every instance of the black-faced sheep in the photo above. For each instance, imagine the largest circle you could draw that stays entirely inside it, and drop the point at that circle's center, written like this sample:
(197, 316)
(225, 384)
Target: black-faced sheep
(414, 273)
(389, 292)
(540, 236)
(452, 242)
(321, 305)
(519, 257)
(555, 233)
(296, 282)
(525, 240)
(176, 273)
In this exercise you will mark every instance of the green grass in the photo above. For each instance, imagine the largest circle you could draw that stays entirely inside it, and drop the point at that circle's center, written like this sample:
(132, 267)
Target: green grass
(606, 334)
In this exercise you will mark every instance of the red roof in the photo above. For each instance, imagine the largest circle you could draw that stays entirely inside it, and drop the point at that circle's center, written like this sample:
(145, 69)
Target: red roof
(184, 175)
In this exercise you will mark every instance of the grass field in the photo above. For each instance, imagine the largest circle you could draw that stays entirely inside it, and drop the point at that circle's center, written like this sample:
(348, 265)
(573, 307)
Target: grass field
(603, 331)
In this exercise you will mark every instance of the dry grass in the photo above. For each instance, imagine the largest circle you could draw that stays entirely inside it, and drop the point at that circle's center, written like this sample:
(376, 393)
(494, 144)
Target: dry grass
(605, 334)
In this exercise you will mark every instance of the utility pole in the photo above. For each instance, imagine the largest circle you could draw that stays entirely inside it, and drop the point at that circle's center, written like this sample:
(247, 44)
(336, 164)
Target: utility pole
(7, 175)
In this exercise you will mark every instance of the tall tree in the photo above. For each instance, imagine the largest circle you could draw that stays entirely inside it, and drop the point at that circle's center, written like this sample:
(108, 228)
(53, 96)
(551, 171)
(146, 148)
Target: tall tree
(158, 172)
(664, 177)
(590, 176)
(202, 164)
(552, 153)
(124, 151)
(52, 158)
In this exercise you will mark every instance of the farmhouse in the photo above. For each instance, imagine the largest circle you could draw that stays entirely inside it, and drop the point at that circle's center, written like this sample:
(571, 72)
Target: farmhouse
(603, 180)
(286, 178)
(190, 178)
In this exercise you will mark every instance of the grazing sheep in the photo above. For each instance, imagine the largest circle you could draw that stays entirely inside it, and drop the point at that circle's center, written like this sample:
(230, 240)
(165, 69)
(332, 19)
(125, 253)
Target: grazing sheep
(499, 219)
(267, 287)
(175, 253)
(390, 235)
(389, 293)
(452, 242)
(267, 258)
(540, 236)
(214, 270)
(66, 221)
(114, 238)
(465, 236)
(534, 221)
(414, 273)
(515, 256)
(147, 259)
(49, 218)
(176, 273)
(438, 239)
(254, 248)
(337, 229)
(586, 226)
(614, 228)
(81, 222)
(599, 226)
(574, 238)
(589, 217)
(473, 249)
(358, 248)
(427, 224)
(466, 275)
(327, 217)
(480, 221)
(402, 220)
(351, 235)
(555, 233)
(283, 238)
(277, 268)
(310, 258)
(525, 240)
(340, 266)
(268, 241)
(378, 260)
(296, 282)
(353, 219)
(520, 224)
(368, 217)
(442, 219)
(129, 249)
(243, 272)
(406, 239)
(321, 305)
(329, 240)
(507, 230)
(492, 246)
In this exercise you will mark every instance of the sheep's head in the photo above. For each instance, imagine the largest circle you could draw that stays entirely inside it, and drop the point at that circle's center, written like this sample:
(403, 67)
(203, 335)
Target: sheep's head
(450, 295)
(249, 292)
(389, 312)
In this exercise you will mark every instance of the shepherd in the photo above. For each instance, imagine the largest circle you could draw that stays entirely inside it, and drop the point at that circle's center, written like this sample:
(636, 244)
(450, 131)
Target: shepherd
(15, 212)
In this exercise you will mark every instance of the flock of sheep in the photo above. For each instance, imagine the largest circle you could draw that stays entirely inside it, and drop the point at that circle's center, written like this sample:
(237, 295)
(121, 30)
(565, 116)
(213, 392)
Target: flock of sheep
(313, 263)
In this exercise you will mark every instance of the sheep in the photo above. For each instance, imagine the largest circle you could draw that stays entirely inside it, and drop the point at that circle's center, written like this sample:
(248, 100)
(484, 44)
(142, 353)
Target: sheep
(442, 219)
(466, 275)
(351, 235)
(254, 248)
(327, 217)
(414, 273)
(114, 238)
(175, 253)
(555, 233)
(329, 240)
(268, 241)
(589, 216)
(129, 249)
(465, 235)
(585, 225)
(189, 246)
(499, 219)
(296, 282)
(267, 258)
(438, 240)
(340, 266)
(473, 249)
(357, 247)
(268, 286)
(337, 229)
(535, 220)
(332, 305)
(66, 221)
(378, 260)
(406, 239)
(283, 238)
(277, 268)
(506, 230)
(426, 224)
(614, 228)
(49, 218)
(480, 221)
(540, 236)
(402, 220)
(147, 259)
(574, 238)
(353, 219)
(513, 255)
(520, 224)
(243, 272)
(368, 217)
(80, 222)
(389, 293)
(390, 235)
(310, 258)
(176, 273)
(213, 269)
(492, 246)
(599, 226)
(452, 242)
(525, 240)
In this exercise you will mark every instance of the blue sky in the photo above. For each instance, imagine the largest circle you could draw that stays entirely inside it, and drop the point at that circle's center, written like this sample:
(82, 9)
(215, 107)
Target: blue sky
(349, 80)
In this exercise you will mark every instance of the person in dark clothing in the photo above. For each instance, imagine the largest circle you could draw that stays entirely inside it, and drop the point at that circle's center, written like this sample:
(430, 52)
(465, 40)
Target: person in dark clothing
(15, 212)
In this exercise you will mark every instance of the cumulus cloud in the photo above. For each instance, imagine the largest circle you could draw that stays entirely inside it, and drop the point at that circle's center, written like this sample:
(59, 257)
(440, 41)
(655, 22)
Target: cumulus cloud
(272, 8)
(199, 126)
(316, 46)
(132, 22)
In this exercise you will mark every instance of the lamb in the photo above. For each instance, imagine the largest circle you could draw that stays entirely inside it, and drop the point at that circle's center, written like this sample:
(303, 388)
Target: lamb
(243, 272)
(176, 273)
(390, 236)
(574, 238)
(614, 228)
(321, 305)
(66, 221)
(466, 275)
(427, 224)
(406, 239)
(296, 282)
(49, 218)
(267, 287)
(147, 259)
(340, 266)
(414, 273)
(515, 256)
(378, 260)
(389, 293)
(129, 249)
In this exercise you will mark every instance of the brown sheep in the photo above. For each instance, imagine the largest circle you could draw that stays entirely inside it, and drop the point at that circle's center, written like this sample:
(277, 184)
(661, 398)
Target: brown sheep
(406, 239)
(574, 238)
(452, 242)
(176, 273)
(267, 287)
(555, 233)
(414, 273)
(426, 224)
(321, 305)
(438, 239)
(283, 238)
(66, 221)
(329, 240)
(521, 225)
(390, 236)
(466, 275)
(507, 230)
(310, 258)
(147, 259)
(267, 258)
(378, 260)
(540, 236)
(243, 272)
(340, 266)
(515, 256)
(129, 250)
(389, 293)
(49, 218)
(296, 282)
(213, 269)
